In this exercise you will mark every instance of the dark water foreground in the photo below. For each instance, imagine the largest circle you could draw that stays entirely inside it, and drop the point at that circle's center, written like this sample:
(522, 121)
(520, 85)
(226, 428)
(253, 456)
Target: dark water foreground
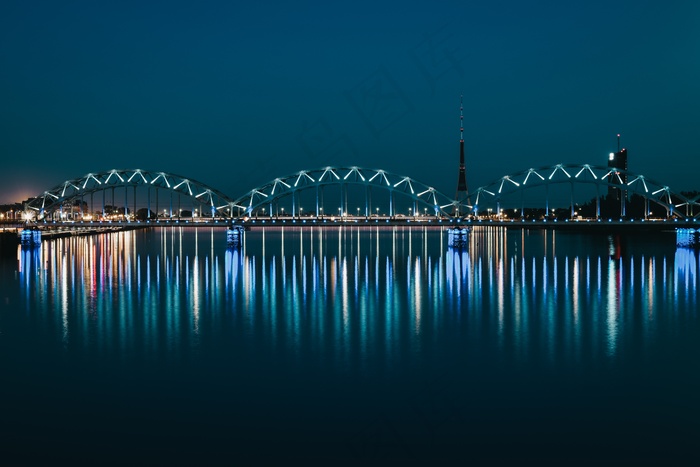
(350, 346)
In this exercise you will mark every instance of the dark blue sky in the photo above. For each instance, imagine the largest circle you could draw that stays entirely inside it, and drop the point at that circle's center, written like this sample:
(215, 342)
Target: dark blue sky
(236, 94)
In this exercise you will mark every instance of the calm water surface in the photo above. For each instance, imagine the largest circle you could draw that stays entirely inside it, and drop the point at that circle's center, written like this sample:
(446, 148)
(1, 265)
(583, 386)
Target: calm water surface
(348, 345)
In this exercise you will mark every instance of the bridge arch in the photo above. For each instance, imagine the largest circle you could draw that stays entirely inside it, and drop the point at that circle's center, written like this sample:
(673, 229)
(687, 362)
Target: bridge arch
(605, 180)
(208, 201)
(419, 195)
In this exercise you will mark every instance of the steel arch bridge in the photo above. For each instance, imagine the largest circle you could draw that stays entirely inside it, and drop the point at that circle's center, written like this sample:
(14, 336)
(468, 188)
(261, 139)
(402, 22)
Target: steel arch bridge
(317, 179)
(211, 201)
(288, 188)
(626, 182)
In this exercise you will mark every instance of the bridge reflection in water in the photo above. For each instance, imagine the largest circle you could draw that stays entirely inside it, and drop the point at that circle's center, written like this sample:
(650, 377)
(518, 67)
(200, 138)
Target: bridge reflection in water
(355, 299)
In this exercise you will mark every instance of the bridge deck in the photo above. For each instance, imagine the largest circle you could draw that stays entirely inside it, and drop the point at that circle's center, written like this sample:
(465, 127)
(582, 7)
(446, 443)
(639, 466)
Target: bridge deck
(56, 229)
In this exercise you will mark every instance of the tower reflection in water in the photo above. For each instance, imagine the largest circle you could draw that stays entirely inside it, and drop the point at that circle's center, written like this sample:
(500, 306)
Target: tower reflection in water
(354, 298)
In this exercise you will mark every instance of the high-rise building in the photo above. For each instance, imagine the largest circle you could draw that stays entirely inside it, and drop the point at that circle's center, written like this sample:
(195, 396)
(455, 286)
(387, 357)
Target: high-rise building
(461, 195)
(618, 160)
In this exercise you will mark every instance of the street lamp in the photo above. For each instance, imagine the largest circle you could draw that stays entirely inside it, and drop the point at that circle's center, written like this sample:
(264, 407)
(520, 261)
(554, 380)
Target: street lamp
(358, 212)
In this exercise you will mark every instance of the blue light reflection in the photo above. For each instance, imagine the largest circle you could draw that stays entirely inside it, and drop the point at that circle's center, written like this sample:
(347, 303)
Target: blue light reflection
(353, 297)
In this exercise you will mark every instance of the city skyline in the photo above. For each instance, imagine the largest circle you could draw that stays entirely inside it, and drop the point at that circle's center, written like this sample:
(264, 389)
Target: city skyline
(236, 97)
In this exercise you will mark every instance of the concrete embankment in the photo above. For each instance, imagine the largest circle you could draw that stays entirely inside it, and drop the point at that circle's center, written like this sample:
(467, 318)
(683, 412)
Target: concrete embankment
(50, 233)
(9, 238)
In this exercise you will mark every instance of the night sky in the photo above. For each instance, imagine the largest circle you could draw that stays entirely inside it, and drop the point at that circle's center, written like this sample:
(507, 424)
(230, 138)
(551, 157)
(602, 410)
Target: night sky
(234, 94)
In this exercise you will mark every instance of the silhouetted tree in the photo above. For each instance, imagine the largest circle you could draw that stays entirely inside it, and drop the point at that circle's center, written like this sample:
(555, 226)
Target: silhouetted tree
(144, 214)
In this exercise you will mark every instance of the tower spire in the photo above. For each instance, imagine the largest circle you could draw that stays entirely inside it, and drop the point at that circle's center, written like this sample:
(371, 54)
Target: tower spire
(462, 180)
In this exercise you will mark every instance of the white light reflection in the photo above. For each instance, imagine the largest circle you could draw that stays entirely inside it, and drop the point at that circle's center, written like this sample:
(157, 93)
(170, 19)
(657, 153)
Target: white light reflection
(612, 307)
(417, 296)
(196, 298)
(500, 287)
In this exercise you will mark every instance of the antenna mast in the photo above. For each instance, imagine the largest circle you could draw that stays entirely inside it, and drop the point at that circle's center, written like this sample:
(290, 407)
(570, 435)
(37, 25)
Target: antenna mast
(462, 180)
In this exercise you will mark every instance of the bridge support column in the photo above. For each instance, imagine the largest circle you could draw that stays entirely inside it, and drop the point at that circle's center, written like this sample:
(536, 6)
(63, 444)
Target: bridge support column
(546, 200)
(646, 208)
(370, 200)
(179, 206)
(366, 201)
(316, 201)
(573, 210)
(322, 206)
(623, 204)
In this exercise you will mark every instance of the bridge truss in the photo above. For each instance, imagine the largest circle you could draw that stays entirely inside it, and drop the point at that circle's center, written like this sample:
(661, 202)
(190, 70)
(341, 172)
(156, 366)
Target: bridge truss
(265, 198)
(372, 190)
(119, 183)
(574, 177)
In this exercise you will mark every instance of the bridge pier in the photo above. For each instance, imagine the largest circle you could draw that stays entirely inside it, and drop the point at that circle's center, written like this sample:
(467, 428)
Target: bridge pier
(234, 236)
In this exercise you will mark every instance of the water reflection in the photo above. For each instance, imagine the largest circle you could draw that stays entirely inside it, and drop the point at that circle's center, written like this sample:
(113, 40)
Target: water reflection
(353, 298)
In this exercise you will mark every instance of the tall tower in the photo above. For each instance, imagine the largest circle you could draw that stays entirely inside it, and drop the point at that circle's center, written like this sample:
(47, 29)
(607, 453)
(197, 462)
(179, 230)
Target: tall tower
(461, 194)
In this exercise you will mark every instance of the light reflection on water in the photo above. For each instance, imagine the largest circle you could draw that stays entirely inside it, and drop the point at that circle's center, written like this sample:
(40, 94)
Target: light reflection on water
(357, 298)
